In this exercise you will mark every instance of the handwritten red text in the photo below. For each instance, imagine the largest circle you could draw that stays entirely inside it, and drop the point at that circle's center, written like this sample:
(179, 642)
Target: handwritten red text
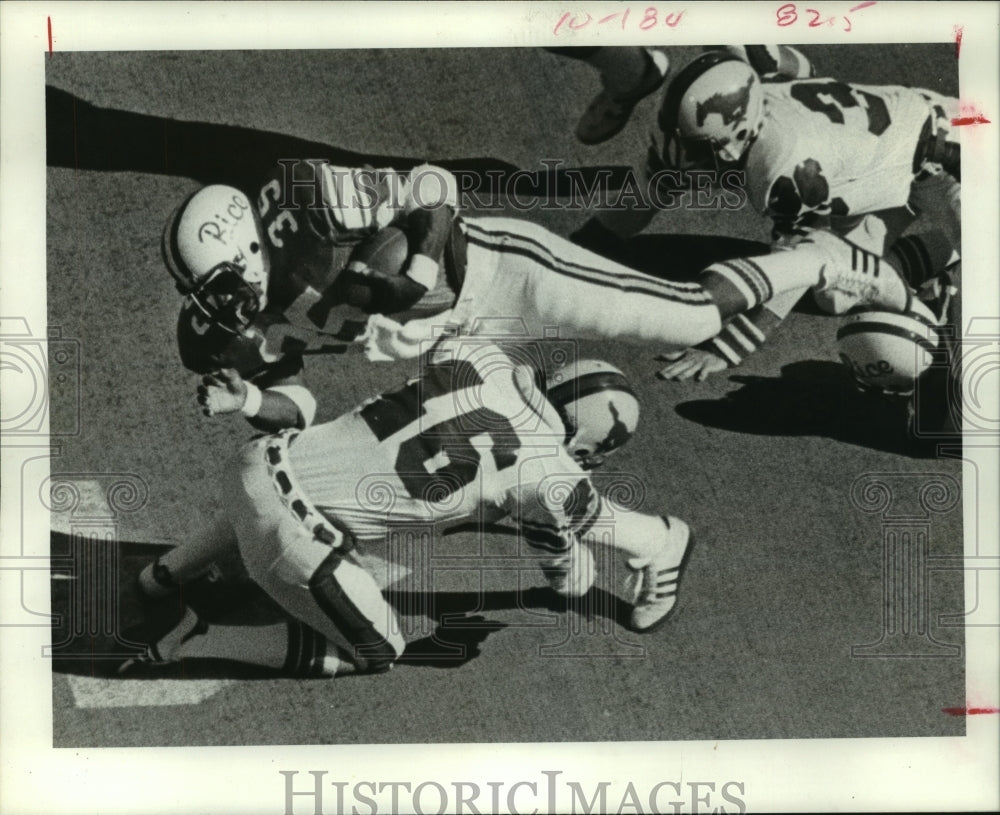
(648, 18)
(789, 14)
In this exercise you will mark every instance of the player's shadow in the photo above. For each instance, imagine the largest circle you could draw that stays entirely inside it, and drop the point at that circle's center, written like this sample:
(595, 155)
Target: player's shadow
(461, 627)
(809, 398)
(99, 619)
(682, 257)
(83, 136)
(459, 617)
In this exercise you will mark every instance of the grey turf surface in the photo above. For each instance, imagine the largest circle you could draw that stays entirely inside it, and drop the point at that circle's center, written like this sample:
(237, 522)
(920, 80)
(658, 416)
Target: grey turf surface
(786, 576)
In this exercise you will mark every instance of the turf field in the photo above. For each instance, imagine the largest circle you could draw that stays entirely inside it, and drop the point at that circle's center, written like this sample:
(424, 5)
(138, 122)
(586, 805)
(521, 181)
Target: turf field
(783, 628)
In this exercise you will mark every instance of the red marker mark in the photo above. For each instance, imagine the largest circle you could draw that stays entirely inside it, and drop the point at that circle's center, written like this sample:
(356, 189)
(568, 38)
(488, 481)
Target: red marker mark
(861, 6)
(958, 40)
(969, 711)
(49, 19)
(962, 121)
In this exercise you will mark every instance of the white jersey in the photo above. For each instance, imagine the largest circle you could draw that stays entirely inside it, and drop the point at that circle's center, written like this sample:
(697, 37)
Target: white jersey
(834, 148)
(471, 435)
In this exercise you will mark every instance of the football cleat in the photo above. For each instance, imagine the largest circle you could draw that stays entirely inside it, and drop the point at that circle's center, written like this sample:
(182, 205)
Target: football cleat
(597, 406)
(607, 115)
(571, 573)
(855, 276)
(166, 649)
(657, 580)
(711, 113)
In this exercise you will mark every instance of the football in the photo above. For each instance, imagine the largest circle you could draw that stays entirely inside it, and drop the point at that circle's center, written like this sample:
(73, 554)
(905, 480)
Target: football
(385, 252)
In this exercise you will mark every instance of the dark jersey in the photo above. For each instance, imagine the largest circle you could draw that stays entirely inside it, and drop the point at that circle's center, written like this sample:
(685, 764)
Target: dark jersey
(271, 350)
(311, 216)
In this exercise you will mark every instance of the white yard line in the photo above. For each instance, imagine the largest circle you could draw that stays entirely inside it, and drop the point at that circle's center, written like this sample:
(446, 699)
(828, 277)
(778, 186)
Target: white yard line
(95, 692)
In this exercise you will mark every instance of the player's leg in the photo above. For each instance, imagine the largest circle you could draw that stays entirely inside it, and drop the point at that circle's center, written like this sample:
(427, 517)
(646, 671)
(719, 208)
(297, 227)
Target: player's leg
(306, 569)
(838, 268)
(188, 561)
(628, 74)
(773, 61)
(937, 191)
(919, 258)
(557, 286)
(291, 648)
(939, 196)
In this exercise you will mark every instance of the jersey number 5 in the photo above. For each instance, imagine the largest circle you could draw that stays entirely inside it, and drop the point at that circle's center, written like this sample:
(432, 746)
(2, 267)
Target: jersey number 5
(832, 99)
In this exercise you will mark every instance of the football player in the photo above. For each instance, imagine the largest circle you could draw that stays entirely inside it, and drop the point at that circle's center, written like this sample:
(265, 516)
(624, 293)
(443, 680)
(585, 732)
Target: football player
(266, 281)
(476, 436)
(813, 151)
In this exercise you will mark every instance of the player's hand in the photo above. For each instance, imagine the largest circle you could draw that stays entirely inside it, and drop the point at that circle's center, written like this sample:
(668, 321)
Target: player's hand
(694, 363)
(222, 392)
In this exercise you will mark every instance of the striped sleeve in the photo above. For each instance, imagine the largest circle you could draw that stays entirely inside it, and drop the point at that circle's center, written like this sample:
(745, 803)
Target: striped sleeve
(748, 331)
(739, 338)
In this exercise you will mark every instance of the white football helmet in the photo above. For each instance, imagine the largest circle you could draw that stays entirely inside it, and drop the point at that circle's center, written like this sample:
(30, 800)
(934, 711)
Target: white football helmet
(597, 406)
(887, 351)
(213, 248)
(712, 112)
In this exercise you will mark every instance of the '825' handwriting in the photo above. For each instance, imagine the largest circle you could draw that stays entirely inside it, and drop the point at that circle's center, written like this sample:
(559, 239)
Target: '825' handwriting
(788, 14)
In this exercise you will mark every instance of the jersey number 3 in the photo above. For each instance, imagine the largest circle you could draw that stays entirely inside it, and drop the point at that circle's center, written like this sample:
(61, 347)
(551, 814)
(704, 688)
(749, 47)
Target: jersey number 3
(834, 99)
(283, 219)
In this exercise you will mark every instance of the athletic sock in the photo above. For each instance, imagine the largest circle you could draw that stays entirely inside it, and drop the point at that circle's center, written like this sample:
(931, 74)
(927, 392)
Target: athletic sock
(646, 537)
(293, 648)
(740, 284)
(921, 257)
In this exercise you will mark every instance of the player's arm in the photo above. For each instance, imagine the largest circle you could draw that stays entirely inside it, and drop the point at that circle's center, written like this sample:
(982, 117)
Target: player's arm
(554, 519)
(741, 336)
(429, 205)
(280, 404)
(235, 373)
(423, 203)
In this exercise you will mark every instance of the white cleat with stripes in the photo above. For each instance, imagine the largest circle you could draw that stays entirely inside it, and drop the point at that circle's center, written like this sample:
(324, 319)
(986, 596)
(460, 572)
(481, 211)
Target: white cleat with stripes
(658, 580)
(863, 277)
